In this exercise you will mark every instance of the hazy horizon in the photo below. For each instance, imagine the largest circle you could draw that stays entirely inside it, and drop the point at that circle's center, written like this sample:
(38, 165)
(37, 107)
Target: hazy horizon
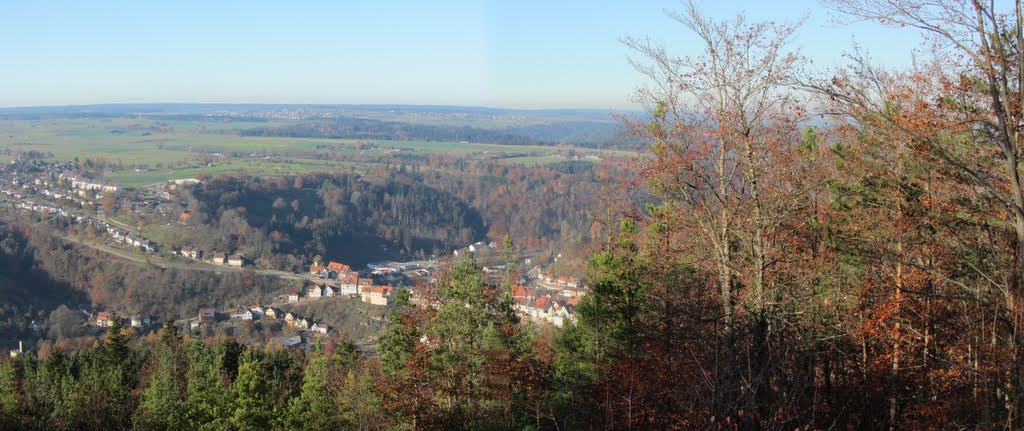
(524, 55)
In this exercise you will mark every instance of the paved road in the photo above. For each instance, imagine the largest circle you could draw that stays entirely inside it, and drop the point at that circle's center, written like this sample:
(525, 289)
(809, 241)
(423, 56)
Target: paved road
(188, 265)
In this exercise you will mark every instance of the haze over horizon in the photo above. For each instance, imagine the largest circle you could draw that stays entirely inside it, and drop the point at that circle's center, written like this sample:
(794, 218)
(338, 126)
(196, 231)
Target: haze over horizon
(526, 55)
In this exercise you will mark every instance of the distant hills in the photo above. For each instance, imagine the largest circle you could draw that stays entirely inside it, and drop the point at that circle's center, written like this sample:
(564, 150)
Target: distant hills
(579, 127)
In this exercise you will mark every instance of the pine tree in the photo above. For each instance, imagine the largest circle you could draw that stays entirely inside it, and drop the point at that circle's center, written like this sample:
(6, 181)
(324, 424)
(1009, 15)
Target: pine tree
(208, 404)
(253, 405)
(316, 406)
(9, 402)
(170, 336)
(116, 351)
(162, 406)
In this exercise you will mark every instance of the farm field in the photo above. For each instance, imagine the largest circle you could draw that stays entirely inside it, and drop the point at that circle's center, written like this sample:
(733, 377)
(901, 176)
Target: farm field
(172, 149)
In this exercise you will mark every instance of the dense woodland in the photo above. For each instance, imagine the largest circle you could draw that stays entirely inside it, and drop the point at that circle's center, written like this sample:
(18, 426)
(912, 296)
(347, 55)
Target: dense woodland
(415, 208)
(763, 274)
(333, 215)
(358, 128)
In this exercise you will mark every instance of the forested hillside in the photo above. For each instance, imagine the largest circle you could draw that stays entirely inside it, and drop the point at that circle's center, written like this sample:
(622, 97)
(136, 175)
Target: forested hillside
(356, 128)
(43, 272)
(336, 215)
(413, 207)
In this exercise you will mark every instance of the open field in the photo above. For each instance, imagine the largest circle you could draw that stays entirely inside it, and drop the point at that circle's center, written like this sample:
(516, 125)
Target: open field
(183, 149)
(255, 167)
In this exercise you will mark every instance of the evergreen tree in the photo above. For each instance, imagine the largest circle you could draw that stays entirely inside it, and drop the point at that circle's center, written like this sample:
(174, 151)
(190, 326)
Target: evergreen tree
(9, 402)
(162, 406)
(101, 398)
(208, 404)
(470, 340)
(253, 405)
(400, 340)
(116, 351)
(316, 407)
(170, 336)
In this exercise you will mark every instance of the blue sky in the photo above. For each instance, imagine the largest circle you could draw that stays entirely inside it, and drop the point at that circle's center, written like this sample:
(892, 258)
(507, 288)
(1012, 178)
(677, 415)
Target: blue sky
(521, 54)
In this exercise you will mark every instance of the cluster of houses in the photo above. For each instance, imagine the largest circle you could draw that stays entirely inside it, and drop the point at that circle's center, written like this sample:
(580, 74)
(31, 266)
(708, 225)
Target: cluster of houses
(570, 286)
(479, 248)
(78, 182)
(208, 316)
(556, 310)
(41, 184)
(349, 283)
(125, 237)
(333, 270)
(363, 287)
(105, 319)
(236, 260)
(122, 236)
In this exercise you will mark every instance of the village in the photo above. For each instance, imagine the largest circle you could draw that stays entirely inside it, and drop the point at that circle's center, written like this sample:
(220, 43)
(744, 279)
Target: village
(55, 190)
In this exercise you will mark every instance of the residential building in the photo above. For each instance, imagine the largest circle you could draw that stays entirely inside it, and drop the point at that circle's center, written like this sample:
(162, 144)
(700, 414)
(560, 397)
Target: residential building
(364, 282)
(192, 252)
(338, 268)
(104, 319)
(241, 313)
(293, 295)
(349, 284)
(287, 343)
(271, 312)
(314, 292)
(207, 315)
(236, 260)
(319, 271)
(377, 295)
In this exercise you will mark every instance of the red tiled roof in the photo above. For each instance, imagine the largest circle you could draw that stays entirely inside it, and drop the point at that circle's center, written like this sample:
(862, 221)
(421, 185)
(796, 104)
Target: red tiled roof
(542, 303)
(384, 290)
(337, 267)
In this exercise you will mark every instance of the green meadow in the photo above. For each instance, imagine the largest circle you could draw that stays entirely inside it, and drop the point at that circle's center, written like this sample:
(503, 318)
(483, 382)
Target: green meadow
(183, 149)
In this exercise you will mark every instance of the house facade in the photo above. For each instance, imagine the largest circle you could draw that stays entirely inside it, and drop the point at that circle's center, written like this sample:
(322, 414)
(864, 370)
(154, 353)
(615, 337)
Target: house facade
(319, 271)
(104, 319)
(349, 285)
(377, 295)
(314, 292)
(241, 313)
(207, 315)
(272, 313)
